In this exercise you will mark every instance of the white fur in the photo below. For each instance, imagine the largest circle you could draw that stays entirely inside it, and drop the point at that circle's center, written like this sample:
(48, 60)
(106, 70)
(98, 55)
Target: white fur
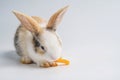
(52, 45)
(49, 39)
(37, 58)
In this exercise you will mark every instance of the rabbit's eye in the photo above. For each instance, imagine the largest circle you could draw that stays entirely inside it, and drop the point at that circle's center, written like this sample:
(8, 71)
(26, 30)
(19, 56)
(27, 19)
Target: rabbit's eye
(42, 48)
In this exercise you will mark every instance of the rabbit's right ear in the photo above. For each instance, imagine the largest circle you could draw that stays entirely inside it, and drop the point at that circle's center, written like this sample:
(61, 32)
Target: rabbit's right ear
(56, 18)
(28, 22)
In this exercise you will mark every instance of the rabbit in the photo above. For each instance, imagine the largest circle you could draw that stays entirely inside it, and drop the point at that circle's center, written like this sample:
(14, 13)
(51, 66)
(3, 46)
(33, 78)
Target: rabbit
(36, 40)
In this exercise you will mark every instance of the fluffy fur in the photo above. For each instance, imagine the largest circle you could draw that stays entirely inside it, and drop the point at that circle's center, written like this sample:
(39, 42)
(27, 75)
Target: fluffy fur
(36, 40)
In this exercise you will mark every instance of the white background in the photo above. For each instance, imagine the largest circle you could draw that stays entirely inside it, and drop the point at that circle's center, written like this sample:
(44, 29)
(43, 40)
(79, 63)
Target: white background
(90, 31)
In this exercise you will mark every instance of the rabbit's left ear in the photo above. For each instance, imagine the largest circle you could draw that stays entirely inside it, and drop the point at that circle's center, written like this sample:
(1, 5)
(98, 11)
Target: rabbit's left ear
(28, 22)
(56, 18)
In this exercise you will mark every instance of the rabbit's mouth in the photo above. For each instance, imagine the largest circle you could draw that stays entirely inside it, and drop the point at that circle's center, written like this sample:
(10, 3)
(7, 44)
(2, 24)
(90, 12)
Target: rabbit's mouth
(51, 58)
(54, 58)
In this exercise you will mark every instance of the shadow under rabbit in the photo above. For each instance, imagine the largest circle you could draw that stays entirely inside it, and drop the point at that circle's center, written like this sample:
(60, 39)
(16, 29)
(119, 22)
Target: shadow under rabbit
(11, 59)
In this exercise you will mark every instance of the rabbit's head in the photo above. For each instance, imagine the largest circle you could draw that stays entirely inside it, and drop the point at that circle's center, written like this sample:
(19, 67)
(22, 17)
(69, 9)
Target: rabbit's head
(46, 42)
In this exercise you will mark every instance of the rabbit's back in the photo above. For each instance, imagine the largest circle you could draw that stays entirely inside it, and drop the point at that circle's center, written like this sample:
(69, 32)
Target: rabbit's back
(21, 35)
(20, 40)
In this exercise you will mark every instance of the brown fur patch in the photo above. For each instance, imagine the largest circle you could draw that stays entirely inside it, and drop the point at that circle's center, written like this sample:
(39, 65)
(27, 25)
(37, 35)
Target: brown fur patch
(37, 49)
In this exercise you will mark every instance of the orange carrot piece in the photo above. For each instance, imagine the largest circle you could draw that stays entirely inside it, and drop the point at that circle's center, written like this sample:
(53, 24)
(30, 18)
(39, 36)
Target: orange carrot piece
(60, 60)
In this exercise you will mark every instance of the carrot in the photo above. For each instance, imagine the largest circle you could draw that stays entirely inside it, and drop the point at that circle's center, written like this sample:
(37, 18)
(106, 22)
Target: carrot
(60, 60)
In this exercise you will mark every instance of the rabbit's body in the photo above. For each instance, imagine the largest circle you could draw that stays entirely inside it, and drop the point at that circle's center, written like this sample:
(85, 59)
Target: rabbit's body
(36, 40)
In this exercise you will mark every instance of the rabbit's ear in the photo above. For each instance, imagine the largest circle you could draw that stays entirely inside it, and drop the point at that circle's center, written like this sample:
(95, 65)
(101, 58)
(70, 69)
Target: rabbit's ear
(56, 18)
(28, 22)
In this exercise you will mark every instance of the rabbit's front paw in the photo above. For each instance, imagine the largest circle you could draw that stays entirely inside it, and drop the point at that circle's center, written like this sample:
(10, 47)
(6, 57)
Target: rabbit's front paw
(26, 60)
(48, 64)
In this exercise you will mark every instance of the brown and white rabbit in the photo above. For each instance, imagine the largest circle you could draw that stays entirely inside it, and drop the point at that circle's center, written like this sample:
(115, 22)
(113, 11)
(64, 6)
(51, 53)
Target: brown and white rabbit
(36, 40)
